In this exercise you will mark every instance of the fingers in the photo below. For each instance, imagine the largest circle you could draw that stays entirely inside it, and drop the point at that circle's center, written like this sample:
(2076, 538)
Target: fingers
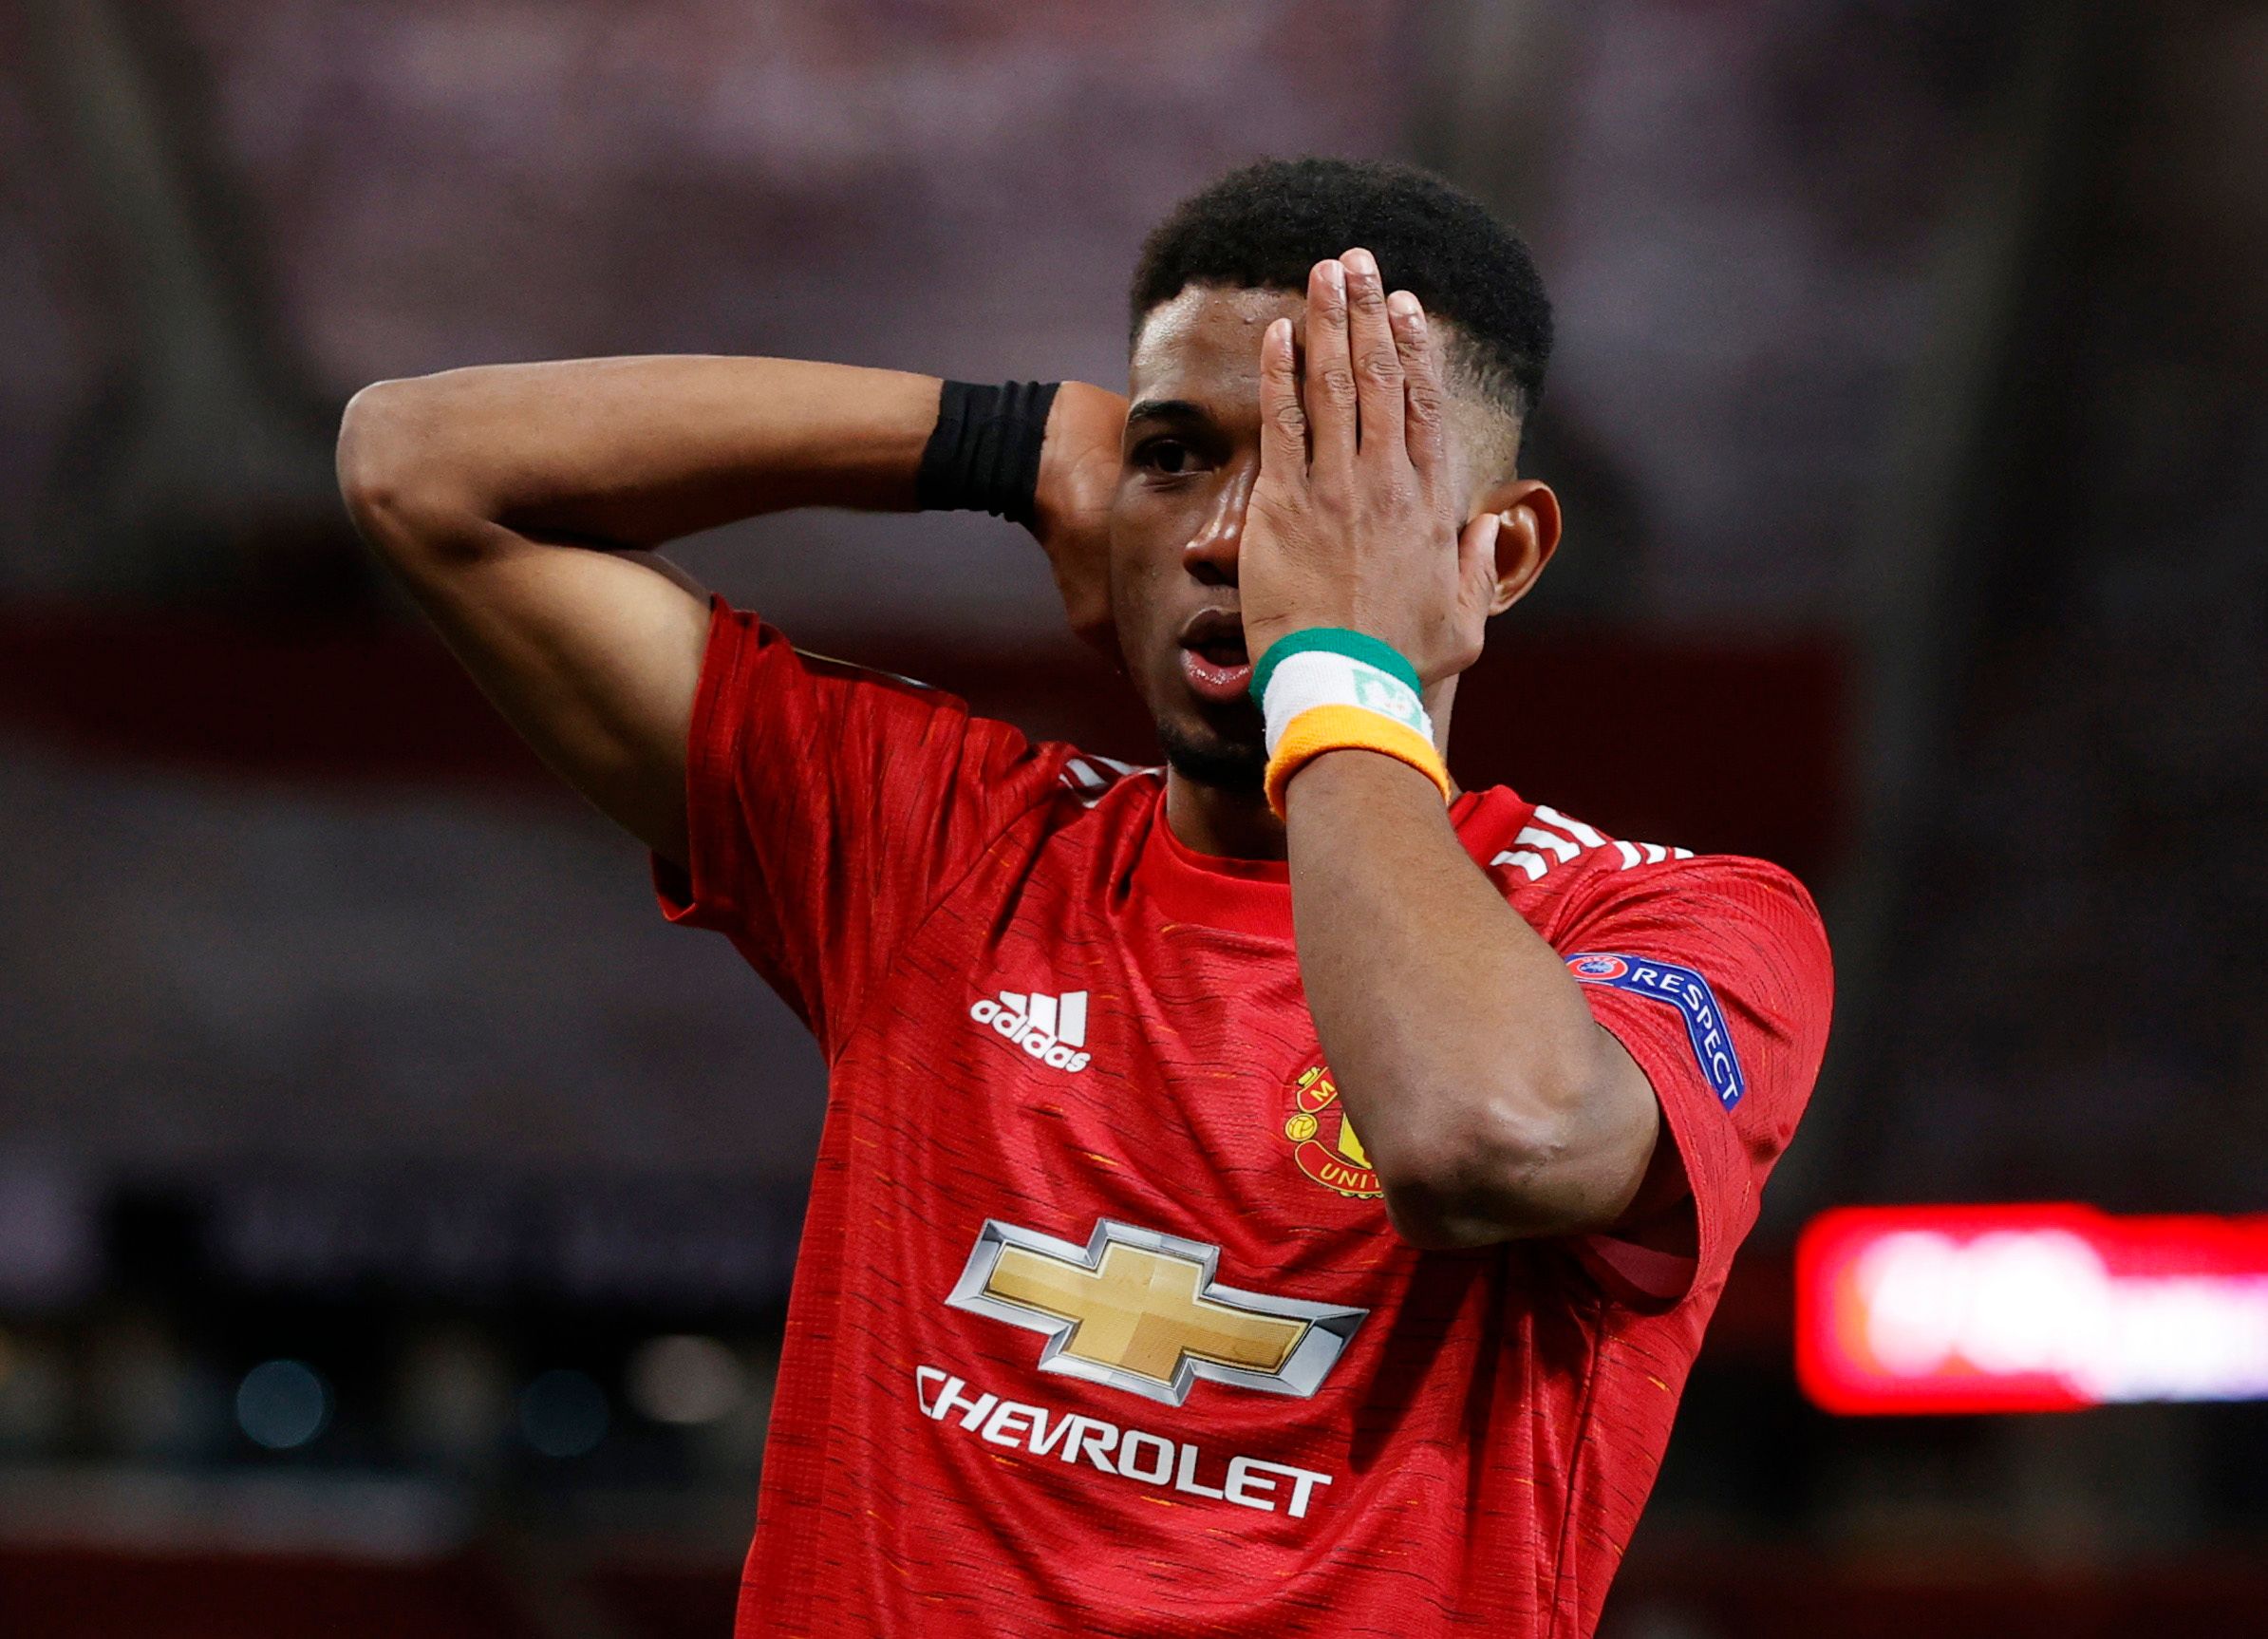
(1283, 421)
(1377, 362)
(1423, 406)
(1330, 374)
(1367, 380)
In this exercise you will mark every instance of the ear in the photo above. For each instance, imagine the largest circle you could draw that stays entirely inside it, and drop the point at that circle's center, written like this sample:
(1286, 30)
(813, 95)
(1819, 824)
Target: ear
(1526, 538)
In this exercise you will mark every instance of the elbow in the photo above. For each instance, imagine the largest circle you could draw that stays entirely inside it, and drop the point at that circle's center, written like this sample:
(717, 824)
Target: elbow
(373, 436)
(391, 471)
(1486, 1176)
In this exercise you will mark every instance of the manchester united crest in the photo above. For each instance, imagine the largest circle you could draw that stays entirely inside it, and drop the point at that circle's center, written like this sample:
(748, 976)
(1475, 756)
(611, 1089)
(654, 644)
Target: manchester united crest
(1322, 1138)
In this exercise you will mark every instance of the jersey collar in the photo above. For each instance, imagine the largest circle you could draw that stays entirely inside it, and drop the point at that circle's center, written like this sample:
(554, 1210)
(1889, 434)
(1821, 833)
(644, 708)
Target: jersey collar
(1254, 896)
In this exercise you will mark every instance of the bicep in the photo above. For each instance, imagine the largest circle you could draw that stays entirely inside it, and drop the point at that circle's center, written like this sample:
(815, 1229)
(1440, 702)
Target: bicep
(594, 656)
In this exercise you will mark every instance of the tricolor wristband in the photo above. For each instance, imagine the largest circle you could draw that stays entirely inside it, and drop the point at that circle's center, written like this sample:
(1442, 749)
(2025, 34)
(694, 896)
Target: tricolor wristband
(1327, 688)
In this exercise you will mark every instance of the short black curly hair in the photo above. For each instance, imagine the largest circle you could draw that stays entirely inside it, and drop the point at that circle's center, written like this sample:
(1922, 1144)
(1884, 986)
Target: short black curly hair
(1264, 226)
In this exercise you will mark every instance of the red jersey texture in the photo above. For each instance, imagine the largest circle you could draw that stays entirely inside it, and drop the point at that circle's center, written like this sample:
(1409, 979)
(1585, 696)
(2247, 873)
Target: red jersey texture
(1099, 1327)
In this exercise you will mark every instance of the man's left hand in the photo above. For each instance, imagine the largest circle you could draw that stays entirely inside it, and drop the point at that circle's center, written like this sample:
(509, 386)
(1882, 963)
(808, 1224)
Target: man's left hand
(1355, 520)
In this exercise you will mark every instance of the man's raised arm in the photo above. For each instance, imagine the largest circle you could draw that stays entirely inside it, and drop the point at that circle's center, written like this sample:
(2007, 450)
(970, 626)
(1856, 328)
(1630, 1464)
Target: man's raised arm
(1491, 1105)
(514, 503)
(518, 503)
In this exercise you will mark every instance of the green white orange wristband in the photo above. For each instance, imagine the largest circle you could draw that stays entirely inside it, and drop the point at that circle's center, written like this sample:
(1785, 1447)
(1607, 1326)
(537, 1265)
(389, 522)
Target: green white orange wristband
(1328, 688)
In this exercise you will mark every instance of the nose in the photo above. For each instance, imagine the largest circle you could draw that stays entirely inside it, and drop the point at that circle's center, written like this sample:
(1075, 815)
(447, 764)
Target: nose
(1210, 554)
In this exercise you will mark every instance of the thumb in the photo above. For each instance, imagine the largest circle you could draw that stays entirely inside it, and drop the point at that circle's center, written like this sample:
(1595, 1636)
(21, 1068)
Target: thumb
(1476, 547)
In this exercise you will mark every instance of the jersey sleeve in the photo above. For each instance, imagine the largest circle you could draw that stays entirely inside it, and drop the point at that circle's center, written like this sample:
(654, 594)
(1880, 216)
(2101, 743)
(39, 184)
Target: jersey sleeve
(1715, 974)
(827, 810)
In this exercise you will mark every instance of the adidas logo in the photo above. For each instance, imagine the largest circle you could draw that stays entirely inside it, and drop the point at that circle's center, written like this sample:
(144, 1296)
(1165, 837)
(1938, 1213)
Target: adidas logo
(1050, 1029)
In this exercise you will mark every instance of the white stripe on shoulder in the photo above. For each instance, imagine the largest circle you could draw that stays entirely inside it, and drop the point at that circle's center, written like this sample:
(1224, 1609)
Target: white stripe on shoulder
(1574, 828)
(1561, 848)
(1536, 851)
(1090, 777)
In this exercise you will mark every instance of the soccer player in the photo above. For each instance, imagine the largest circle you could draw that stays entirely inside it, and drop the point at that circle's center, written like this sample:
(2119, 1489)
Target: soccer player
(1280, 1193)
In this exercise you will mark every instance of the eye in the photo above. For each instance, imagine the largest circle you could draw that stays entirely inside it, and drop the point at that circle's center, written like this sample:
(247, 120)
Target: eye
(1167, 457)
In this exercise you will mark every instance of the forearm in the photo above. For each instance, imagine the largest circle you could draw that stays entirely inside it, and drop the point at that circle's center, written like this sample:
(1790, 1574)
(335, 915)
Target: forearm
(1487, 1096)
(633, 452)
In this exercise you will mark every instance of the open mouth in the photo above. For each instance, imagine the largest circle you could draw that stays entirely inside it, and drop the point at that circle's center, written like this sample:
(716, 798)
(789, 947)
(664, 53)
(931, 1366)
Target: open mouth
(1213, 659)
(1223, 651)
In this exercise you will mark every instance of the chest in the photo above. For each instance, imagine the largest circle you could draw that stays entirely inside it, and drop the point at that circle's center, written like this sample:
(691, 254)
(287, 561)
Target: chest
(1080, 1045)
(1068, 1111)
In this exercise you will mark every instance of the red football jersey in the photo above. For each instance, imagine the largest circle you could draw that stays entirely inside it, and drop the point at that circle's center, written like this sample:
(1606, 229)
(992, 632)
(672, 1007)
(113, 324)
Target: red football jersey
(1098, 1325)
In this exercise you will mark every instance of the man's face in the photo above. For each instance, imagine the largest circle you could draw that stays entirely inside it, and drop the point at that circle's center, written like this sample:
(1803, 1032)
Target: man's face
(1190, 454)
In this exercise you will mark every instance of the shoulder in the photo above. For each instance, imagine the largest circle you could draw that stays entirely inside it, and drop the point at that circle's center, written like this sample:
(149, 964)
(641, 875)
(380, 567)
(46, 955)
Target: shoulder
(861, 727)
(1713, 970)
(1534, 840)
(1085, 780)
(1087, 813)
(1571, 879)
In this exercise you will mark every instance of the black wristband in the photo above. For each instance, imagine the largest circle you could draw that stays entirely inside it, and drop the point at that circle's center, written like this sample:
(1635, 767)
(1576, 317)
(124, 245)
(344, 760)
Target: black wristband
(985, 453)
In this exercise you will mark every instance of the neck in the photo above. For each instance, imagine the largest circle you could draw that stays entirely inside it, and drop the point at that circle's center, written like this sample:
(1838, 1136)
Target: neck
(1237, 823)
(1229, 824)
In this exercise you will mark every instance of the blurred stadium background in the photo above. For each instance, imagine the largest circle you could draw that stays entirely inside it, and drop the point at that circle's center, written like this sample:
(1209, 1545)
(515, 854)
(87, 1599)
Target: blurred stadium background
(396, 1217)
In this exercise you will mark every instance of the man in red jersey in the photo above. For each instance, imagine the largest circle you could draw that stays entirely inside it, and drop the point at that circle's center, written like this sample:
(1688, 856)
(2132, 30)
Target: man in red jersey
(1277, 1193)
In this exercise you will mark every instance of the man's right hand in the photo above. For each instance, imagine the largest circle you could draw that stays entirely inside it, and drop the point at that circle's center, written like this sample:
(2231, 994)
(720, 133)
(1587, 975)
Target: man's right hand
(1079, 471)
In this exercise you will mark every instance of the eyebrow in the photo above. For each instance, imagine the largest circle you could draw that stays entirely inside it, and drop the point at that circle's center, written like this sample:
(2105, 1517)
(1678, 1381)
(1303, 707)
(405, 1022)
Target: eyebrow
(1165, 409)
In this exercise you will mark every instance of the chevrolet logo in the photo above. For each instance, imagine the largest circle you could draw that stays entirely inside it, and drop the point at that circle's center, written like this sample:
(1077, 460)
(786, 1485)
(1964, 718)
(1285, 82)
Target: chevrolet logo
(1140, 1311)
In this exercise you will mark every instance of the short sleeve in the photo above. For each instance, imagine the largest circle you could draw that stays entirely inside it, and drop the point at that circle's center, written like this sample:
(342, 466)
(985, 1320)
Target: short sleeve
(827, 810)
(1715, 974)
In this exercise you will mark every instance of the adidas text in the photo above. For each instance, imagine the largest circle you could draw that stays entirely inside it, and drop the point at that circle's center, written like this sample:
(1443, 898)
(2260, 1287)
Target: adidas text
(1051, 1028)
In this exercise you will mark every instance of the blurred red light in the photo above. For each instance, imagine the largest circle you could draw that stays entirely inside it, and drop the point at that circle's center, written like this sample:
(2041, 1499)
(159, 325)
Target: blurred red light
(2047, 1307)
